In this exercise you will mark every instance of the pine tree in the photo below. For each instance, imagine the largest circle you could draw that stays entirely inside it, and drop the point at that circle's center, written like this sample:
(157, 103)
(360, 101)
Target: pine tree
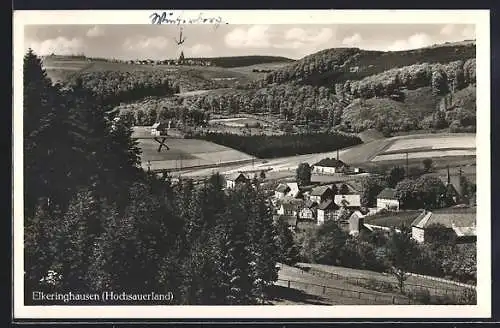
(235, 255)
(76, 235)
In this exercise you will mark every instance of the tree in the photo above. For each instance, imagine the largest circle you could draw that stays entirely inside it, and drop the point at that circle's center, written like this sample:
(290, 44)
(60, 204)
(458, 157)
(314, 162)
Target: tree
(427, 164)
(396, 174)
(430, 191)
(401, 252)
(303, 174)
(371, 187)
(439, 82)
(439, 234)
(288, 249)
(262, 175)
(344, 189)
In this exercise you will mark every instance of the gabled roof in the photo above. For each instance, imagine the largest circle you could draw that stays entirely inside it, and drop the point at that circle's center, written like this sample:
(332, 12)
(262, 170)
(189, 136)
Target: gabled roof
(328, 205)
(330, 162)
(319, 191)
(358, 214)
(310, 204)
(349, 200)
(387, 193)
(234, 176)
(282, 188)
(450, 218)
(292, 203)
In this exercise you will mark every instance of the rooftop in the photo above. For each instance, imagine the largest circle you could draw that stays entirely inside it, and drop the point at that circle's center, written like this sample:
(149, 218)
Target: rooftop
(330, 162)
(282, 188)
(327, 205)
(318, 191)
(387, 193)
(450, 217)
(348, 200)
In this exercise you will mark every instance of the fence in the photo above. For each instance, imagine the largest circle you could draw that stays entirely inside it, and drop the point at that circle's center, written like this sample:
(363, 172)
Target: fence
(363, 281)
(360, 296)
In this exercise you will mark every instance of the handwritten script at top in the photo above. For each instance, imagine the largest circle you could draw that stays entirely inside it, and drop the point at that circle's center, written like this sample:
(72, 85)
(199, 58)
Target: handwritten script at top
(169, 18)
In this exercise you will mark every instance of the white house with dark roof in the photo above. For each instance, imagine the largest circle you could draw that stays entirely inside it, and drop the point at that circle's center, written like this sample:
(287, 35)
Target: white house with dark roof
(462, 221)
(233, 179)
(281, 191)
(290, 207)
(326, 211)
(387, 199)
(309, 210)
(294, 191)
(329, 166)
(321, 193)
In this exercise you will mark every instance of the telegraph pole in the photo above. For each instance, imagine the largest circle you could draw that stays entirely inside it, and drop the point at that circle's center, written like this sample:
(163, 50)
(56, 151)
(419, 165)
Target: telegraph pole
(407, 166)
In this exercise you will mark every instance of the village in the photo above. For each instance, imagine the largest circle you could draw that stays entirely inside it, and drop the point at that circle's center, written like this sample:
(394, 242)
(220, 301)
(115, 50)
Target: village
(303, 206)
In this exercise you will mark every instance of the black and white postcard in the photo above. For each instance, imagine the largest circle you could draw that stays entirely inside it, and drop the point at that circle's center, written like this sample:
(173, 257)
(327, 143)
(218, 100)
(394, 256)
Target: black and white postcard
(251, 164)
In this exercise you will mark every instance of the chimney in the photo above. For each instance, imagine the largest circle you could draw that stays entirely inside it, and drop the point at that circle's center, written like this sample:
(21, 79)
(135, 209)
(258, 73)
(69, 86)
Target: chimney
(337, 154)
(448, 171)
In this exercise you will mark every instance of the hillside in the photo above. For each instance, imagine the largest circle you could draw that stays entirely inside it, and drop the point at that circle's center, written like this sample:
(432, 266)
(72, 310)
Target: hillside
(385, 113)
(337, 65)
(239, 61)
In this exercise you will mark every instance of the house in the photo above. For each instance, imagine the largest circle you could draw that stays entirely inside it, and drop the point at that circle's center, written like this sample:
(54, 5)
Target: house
(352, 202)
(308, 211)
(329, 166)
(233, 179)
(156, 129)
(281, 191)
(387, 199)
(294, 191)
(321, 193)
(290, 207)
(462, 221)
(355, 223)
(326, 211)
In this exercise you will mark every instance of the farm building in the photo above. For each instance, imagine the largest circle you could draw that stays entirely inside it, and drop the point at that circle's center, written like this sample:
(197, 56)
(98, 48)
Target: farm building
(294, 191)
(462, 221)
(350, 201)
(387, 199)
(281, 191)
(356, 221)
(290, 207)
(329, 166)
(156, 129)
(233, 179)
(321, 193)
(326, 211)
(308, 211)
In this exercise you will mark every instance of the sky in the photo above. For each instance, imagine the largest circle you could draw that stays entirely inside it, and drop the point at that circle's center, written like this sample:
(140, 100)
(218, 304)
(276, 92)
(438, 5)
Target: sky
(292, 41)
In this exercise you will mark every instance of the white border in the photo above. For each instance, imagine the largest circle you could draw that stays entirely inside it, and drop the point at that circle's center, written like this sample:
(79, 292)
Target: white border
(480, 18)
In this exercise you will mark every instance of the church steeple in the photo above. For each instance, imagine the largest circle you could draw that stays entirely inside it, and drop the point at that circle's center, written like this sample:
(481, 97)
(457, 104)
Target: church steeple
(181, 58)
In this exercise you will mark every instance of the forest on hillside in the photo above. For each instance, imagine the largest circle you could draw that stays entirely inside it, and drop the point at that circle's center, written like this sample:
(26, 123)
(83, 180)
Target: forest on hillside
(338, 65)
(95, 221)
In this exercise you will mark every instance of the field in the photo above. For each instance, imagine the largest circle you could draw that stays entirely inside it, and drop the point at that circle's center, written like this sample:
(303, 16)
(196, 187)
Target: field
(184, 153)
(63, 69)
(414, 282)
(299, 287)
(361, 155)
(428, 146)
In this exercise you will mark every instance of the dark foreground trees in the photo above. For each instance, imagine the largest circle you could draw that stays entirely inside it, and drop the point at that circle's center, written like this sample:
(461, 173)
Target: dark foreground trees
(95, 222)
